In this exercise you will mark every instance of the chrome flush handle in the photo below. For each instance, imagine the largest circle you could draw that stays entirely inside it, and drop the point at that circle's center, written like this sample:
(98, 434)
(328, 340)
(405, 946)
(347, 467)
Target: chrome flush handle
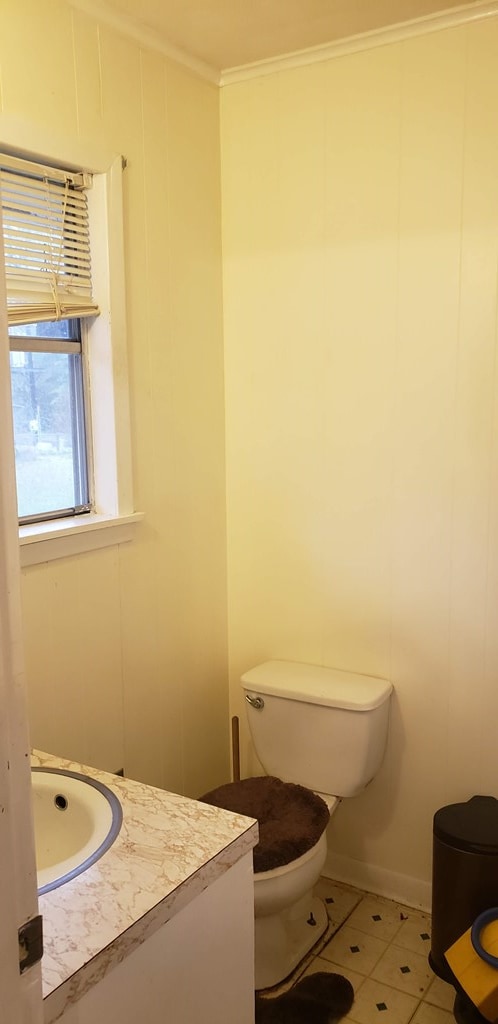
(255, 702)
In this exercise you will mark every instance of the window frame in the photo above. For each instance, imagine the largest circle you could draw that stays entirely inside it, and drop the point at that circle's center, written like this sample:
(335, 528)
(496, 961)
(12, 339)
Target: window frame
(114, 518)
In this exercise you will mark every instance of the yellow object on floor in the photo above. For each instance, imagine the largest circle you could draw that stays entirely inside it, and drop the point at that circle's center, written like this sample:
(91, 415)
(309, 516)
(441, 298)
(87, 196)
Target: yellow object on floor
(478, 979)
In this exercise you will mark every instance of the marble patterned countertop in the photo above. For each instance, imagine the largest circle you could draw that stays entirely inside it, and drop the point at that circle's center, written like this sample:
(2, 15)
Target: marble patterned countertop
(168, 851)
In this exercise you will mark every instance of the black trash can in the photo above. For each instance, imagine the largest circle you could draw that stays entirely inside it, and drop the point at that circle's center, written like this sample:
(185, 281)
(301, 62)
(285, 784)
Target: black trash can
(464, 873)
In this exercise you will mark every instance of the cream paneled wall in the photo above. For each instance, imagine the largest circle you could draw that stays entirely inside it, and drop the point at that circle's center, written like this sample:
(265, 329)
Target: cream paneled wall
(360, 244)
(360, 273)
(126, 648)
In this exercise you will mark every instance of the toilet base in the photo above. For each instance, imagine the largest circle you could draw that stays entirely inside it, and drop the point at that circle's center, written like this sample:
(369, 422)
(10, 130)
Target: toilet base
(283, 940)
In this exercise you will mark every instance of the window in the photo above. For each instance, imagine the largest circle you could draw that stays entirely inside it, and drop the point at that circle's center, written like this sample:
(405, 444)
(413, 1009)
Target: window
(50, 437)
(98, 343)
(49, 291)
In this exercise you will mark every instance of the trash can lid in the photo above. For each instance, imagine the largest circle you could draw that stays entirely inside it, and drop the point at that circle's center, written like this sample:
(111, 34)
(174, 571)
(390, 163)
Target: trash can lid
(470, 826)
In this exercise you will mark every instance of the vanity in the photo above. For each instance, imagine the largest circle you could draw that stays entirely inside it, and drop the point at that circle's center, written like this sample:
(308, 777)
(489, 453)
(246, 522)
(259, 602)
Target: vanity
(161, 927)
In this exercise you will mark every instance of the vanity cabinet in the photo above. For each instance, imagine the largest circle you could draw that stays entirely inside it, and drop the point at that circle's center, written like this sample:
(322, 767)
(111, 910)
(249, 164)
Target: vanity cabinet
(198, 967)
(160, 929)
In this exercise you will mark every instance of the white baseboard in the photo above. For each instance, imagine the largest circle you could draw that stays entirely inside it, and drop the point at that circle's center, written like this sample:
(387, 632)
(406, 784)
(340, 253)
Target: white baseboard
(412, 892)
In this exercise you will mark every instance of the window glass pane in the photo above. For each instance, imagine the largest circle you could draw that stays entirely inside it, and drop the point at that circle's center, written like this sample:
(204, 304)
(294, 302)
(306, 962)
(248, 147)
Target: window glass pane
(51, 329)
(48, 431)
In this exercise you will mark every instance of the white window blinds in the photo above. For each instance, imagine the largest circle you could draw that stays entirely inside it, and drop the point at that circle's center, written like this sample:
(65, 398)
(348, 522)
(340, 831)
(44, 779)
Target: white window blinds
(46, 242)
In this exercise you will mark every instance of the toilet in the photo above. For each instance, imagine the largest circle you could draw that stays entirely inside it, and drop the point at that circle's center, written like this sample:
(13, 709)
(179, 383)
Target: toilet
(320, 735)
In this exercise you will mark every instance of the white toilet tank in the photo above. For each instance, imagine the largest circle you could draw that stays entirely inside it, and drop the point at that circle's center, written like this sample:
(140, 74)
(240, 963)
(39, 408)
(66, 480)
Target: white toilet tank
(318, 727)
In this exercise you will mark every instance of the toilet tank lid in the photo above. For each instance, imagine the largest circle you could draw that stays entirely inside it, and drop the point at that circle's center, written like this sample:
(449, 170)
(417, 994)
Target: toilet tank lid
(317, 684)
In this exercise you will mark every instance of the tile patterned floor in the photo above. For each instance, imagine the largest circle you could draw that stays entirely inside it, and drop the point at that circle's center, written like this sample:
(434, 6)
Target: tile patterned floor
(382, 947)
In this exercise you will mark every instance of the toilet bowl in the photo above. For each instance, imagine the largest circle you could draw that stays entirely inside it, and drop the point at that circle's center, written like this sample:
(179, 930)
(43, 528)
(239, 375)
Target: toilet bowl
(288, 860)
(318, 731)
(289, 920)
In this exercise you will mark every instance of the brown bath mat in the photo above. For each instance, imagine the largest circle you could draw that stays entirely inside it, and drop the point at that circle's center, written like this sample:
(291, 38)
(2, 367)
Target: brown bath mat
(291, 818)
(317, 999)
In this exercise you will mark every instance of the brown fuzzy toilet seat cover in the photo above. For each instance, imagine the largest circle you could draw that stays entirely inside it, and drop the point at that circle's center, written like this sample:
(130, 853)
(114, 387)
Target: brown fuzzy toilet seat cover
(291, 818)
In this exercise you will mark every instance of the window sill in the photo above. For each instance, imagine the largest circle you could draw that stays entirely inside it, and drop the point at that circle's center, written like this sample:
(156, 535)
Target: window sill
(44, 542)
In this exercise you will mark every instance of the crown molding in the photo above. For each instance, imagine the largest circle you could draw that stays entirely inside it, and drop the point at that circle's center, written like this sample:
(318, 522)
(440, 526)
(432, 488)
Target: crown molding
(148, 38)
(463, 15)
(145, 37)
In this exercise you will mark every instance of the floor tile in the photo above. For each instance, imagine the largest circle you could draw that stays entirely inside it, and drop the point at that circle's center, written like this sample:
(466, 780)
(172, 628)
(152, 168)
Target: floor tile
(352, 948)
(441, 994)
(379, 1003)
(382, 947)
(415, 933)
(377, 917)
(339, 900)
(427, 1014)
(319, 964)
(409, 972)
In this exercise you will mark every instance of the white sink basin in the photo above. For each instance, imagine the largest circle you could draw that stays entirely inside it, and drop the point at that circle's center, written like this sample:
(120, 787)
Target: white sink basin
(76, 820)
